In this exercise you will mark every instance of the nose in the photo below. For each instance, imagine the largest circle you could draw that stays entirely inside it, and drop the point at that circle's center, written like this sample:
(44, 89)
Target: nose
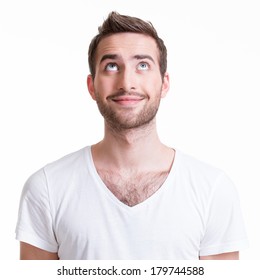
(126, 80)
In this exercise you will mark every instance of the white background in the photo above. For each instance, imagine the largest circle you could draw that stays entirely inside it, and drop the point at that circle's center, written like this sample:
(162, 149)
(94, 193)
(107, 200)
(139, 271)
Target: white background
(211, 112)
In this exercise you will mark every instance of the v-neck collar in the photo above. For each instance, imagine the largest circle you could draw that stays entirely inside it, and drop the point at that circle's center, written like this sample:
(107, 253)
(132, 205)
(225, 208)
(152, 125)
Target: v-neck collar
(101, 185)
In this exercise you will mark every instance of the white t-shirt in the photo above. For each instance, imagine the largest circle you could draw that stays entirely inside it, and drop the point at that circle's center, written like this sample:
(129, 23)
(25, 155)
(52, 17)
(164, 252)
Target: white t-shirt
(66, 208)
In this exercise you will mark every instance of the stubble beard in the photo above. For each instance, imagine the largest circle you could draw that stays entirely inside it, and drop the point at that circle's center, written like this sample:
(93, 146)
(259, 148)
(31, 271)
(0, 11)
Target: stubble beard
(128, 120)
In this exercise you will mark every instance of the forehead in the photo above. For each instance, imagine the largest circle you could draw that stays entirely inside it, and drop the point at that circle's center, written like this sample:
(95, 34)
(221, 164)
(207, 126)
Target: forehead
(128, 45)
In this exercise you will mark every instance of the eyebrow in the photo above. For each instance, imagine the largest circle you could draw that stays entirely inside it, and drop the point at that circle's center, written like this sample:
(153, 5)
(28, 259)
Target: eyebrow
(115, 56)
(144, 56)
(108, 56)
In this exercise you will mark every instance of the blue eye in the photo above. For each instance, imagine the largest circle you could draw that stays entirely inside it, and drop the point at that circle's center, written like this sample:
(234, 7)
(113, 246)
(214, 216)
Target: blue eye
(143, 66)
(112, 67)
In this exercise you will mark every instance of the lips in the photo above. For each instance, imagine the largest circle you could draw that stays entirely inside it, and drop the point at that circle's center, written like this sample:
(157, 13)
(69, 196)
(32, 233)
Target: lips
(127, 99)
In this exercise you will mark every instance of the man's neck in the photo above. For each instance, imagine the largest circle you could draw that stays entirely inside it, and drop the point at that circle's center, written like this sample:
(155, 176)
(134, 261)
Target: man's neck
(133, 149)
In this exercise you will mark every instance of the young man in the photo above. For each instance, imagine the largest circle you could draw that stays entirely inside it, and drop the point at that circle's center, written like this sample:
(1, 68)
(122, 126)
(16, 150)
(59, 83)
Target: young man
(129, 196)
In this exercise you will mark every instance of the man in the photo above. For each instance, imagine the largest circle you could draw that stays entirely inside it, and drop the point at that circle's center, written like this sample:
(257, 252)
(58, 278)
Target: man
(129, 196)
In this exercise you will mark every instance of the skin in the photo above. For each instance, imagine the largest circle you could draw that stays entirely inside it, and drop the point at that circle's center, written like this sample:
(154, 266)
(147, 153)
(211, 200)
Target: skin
(128, 87)
(29, 252)
(124, 148)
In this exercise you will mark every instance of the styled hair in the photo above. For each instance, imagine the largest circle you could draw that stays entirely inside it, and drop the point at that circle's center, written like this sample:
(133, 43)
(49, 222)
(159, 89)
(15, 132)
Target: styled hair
(117, 23)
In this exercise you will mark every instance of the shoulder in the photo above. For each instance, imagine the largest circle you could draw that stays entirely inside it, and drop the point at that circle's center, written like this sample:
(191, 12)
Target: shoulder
(58, 170)
(67, 164)
(196, 167)
(203, 176)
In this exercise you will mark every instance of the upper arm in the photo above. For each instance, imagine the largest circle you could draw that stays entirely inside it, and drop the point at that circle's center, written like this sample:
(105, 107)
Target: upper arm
(30, 252)
(224, 256)
(35, 220)
(224, 224)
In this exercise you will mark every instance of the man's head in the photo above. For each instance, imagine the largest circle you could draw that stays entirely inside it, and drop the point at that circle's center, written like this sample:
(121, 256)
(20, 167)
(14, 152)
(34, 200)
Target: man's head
(116, 23)
(128, 72)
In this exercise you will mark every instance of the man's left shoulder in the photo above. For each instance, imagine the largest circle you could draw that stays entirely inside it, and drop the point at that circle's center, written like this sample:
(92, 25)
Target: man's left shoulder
(197, 166)
(201, 174)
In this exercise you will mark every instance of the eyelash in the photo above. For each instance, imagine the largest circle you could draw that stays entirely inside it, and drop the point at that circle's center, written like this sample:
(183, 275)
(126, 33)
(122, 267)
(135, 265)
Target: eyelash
(109, 64)
(146, 63)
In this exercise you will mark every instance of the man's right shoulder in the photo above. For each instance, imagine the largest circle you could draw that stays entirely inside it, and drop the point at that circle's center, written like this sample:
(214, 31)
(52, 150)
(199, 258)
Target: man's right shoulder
(61, 168)
(68, 161)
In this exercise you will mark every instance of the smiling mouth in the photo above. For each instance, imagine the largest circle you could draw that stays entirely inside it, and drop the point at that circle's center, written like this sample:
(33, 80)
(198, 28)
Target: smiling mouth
(127, 100)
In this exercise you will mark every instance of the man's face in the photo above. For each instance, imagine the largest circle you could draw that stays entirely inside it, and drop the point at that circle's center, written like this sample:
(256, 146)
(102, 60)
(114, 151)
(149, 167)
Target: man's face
(128, 84)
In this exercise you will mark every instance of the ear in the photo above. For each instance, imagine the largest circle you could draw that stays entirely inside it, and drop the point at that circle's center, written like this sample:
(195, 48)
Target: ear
(165, 85)
(90, 84)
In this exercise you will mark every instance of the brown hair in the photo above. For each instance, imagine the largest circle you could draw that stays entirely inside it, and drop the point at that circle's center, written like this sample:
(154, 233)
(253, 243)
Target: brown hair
(116, 23)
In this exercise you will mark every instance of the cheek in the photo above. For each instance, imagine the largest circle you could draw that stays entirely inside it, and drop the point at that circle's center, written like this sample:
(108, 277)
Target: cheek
(153, 85)
(104, 85)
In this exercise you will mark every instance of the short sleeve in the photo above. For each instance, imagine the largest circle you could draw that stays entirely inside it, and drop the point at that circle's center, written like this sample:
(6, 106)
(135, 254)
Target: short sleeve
(225, 229)
(35, 223)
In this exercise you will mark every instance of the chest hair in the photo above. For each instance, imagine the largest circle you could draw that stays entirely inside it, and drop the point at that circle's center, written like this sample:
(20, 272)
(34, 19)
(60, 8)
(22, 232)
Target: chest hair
(132, 189)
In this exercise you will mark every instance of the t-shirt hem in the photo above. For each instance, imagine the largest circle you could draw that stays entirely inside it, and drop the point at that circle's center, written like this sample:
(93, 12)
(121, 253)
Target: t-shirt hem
(225, 248)
(37, 242)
